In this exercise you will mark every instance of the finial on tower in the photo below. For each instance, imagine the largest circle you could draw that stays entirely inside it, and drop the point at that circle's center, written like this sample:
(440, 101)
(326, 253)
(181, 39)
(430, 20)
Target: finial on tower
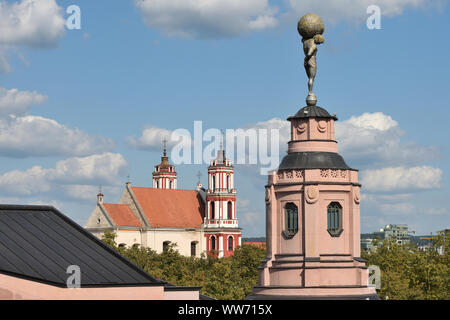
(221, 139)
(311, 28)
(165, 146)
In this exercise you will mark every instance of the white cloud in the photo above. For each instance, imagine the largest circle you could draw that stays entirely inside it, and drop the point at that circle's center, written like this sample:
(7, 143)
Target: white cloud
(38, 136)
(207, 18)
(98, 168)
(399, 179)
(401, 208)
(152, 139)
(373, 139)
(355, 10)
(31, 23)
(15, 102)
(88, 193)
(73, 177)
(437, 211)
(4, 65)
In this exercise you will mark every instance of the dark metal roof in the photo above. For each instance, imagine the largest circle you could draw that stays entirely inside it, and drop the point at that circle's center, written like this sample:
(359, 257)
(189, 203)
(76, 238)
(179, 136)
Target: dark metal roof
(312, 112)
(39, 243)
(313, 160)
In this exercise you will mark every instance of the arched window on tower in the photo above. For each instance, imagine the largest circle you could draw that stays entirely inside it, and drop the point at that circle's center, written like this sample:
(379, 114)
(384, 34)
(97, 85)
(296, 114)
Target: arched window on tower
(334, 219)
(230, 210)
(213, 183)
(213, 210)
(157, 184)
(213, 243)
(230, 243)
(170, 184)
(291, 220)
(228, 183)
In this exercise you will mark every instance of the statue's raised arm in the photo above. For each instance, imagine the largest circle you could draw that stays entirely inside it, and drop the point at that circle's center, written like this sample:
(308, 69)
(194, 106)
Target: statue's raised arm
(311, 28)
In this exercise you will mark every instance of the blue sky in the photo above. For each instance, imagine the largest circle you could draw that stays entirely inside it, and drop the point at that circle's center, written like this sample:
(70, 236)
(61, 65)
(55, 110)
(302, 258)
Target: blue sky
(72, 100)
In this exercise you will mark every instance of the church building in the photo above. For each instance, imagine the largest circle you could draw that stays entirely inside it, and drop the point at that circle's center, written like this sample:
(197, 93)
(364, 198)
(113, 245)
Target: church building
(196, 221)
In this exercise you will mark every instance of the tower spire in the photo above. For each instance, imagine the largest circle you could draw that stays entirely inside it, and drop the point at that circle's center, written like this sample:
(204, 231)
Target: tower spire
(165, 146)
(164, 176)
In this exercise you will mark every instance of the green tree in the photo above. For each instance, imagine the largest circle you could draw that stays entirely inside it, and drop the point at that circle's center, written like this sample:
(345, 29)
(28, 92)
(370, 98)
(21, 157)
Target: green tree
(221, 278)
(409, 273)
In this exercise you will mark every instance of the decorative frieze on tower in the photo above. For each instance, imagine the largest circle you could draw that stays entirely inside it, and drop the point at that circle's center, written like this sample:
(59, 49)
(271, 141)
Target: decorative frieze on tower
(164, 176)
(221, 225)
(313, 207)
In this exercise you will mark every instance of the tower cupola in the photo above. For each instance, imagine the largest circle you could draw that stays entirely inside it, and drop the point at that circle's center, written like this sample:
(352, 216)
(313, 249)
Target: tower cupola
(164, 175)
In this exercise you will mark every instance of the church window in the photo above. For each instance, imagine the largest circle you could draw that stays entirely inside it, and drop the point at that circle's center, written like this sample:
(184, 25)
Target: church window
(230, 243)
(213, 211)
(170, 184)
(291, 220)
(213, 243)
(228, 182)
(193, 248)
(214, 183)
(166, 246)
(334, 219)
(230, 207)
(157, 184)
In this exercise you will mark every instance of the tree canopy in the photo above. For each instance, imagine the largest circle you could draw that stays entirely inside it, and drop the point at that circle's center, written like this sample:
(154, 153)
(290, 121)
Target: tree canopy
(230, 278)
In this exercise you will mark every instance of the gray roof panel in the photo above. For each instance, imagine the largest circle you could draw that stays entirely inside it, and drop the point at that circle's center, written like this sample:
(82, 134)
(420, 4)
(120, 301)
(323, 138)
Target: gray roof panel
(39, 243)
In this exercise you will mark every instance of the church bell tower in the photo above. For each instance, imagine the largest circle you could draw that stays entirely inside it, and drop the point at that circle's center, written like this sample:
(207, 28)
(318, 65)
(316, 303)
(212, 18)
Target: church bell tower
(164, 176)
(221, 225)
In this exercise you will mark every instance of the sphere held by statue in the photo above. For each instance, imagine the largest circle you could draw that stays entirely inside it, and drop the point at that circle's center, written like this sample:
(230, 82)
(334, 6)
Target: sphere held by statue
(310, 25)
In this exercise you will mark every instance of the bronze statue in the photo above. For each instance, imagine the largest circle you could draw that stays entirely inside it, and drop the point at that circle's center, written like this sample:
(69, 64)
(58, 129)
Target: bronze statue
(311, 28)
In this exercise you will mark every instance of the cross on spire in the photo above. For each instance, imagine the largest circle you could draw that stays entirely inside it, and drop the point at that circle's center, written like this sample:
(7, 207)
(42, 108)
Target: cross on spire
(221, 139)
(165, 145)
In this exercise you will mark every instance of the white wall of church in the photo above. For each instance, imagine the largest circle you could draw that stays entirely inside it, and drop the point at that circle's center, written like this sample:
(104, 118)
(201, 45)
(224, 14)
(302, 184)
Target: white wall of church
(182, 237)
(154, 239)
(128, 238)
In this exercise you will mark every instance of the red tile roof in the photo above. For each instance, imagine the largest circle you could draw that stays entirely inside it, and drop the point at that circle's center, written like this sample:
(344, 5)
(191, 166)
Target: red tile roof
(171, 208)
(122, 215)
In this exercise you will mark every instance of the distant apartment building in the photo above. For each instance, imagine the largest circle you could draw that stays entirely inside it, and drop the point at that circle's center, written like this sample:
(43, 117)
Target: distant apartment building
(367, 244)
(397, 232)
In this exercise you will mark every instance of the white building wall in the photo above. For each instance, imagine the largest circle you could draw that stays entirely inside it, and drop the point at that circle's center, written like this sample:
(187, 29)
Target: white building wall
(155, 239)
(182, 237)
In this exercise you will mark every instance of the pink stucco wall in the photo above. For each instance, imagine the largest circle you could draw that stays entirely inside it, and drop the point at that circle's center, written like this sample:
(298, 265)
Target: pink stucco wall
(12, 288)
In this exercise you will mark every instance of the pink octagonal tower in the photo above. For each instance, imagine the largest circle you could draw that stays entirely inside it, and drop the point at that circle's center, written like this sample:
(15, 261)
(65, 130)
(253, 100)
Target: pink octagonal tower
(313, 218)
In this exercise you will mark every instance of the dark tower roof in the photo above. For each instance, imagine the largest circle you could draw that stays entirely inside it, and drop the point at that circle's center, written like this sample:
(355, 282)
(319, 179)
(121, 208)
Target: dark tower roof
(312, 112)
